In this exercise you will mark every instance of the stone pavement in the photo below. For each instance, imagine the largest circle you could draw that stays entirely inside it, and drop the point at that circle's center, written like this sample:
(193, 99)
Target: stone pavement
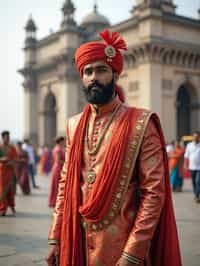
(23, 239)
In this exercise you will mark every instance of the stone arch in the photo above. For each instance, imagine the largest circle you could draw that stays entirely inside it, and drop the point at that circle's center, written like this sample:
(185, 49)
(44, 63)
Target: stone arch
(50, 118)
(186, 115)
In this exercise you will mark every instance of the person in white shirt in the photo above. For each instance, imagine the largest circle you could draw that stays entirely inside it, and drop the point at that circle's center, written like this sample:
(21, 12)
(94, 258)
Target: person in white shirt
(31, 157)
(170, 147)
(192, 162)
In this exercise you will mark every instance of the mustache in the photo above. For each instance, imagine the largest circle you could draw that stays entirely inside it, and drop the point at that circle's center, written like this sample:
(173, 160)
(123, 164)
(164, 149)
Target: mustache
(96, 83)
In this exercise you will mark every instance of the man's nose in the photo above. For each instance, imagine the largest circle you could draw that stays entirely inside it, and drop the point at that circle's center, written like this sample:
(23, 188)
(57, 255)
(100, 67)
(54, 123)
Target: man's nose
(94, 76)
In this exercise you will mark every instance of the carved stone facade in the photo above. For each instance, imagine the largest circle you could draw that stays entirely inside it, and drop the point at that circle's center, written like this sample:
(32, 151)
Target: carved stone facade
(162, 69)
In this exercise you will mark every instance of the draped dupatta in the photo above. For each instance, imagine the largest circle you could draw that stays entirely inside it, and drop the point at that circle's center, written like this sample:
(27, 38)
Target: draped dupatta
(99, 201)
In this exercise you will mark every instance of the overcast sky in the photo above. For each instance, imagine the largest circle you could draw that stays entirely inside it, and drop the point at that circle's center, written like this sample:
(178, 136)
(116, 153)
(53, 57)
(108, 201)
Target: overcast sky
(47, 15)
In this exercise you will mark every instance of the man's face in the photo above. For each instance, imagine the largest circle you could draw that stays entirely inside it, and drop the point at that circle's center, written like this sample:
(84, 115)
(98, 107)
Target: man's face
(196, 137)
(6, 139)
(98, 81)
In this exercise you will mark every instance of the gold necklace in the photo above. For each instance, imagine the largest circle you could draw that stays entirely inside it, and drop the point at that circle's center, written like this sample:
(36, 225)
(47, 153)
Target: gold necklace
(97, 146)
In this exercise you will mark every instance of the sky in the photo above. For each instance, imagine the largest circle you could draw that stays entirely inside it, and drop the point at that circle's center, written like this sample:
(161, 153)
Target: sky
(47, 15)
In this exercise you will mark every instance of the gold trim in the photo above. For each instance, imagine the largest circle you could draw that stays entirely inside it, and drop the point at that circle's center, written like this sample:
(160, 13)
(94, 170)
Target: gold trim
(126, 172)
(130, 258)
(53, 242)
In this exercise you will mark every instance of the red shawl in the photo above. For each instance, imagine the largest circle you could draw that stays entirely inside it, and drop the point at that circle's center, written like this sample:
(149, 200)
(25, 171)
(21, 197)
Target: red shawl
(95, 208)
(165, 249)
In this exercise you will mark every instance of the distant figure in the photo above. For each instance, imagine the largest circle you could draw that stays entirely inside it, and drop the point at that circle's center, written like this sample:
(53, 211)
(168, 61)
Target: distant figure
(7, 174)
(22, 169)
(31, 160)
(170, 147)
(37, 157)
(45, 161)
(58, 155)
(176, 166)
(192, 162)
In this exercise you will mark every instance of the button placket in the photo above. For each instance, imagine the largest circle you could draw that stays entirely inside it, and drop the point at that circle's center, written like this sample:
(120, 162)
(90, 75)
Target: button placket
(95, 132)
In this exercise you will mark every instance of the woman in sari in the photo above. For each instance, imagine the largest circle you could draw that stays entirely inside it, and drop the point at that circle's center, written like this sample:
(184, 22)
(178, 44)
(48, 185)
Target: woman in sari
(58, 155)
(7, 174)
(22, 169)
(176, 166)
(45, 161)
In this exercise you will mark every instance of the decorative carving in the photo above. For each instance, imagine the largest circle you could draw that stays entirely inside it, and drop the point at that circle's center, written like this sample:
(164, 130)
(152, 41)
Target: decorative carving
(163, 54)
(30, 81)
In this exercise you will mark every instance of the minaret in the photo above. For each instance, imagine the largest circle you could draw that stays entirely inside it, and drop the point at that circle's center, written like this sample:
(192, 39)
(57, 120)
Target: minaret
(30, 41)
(30, 82)
(67, 73)
(31, 30)
(68, 10)
(168, 6)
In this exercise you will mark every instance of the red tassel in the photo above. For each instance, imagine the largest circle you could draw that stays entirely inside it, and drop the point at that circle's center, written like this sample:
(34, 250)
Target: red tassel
(119, 92)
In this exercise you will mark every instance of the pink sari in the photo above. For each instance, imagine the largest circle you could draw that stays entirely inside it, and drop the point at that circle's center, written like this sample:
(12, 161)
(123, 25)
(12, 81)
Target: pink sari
(58, 155)
(7, 180)
(22, 172)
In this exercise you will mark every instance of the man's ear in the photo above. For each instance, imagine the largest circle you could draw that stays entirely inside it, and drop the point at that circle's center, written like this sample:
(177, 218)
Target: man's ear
(116, 76)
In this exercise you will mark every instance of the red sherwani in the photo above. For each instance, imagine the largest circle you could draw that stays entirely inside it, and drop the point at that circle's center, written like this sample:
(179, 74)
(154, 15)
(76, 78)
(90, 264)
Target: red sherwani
(132, 229)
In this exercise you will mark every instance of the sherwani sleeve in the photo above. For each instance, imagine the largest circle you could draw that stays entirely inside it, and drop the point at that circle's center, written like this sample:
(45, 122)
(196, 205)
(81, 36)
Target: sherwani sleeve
(55, 229)
(150, 176)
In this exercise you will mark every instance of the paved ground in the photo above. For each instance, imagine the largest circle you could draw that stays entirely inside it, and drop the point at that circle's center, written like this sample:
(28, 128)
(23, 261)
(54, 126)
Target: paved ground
(23, 238)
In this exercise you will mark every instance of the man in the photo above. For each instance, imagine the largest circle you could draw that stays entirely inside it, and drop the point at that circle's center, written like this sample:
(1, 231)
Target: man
(192, 162)
(114, 204)
(7, 174)
(31, 160)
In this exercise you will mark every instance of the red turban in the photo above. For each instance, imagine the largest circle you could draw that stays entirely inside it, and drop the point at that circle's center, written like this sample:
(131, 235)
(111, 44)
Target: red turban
(107, 51)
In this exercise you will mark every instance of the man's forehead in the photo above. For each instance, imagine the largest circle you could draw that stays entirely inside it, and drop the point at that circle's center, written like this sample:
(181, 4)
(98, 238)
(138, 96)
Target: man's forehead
(96, 64)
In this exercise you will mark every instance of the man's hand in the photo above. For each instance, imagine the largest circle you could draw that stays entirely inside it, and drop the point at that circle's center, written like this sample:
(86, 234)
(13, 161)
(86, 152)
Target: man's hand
(124, 262)
(52, 258)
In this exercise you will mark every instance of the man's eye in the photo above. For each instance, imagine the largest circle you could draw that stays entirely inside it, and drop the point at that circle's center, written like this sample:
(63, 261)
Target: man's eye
(88, 72)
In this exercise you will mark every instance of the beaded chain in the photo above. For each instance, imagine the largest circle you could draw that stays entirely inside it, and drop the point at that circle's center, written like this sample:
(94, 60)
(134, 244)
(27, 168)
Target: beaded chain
(97, 146)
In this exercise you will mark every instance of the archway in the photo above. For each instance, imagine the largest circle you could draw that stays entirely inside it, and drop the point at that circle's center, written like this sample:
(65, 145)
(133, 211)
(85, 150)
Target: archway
(50, 123)
(183, 105)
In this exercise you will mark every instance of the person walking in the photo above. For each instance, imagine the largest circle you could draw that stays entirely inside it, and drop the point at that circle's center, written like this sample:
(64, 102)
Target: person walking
(8, 156)
(22, 173)
(31, 160)
(58, 155)
(176, 166)
(192, 162)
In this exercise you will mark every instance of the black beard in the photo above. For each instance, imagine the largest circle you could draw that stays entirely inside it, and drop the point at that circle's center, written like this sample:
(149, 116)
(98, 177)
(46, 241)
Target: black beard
(97, 93)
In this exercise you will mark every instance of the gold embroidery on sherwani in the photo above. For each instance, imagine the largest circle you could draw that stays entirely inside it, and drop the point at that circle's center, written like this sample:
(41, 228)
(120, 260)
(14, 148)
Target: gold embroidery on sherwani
(113, 229)
(126, 172)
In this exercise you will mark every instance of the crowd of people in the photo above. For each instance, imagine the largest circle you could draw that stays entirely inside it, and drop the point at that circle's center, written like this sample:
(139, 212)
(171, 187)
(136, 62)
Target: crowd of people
(184, 162)
(19, 165)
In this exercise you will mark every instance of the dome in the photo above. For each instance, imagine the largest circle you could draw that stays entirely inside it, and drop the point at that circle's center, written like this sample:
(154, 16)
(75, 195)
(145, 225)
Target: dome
(95, 18)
